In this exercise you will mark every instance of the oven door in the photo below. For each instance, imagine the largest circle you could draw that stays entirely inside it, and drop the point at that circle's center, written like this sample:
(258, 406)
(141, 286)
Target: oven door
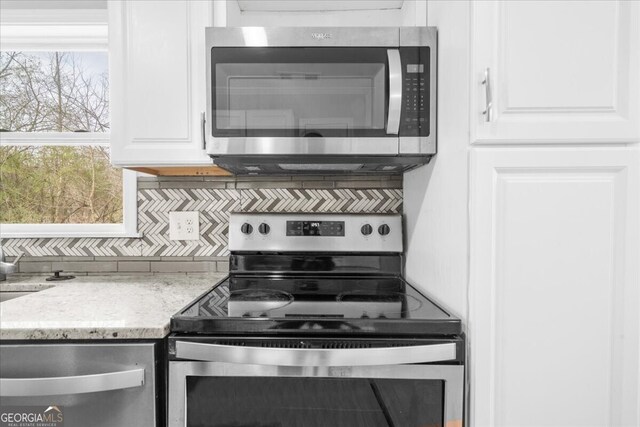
(249, 386)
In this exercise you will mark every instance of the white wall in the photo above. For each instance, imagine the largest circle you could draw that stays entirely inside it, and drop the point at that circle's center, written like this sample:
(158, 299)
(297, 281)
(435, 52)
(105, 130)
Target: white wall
(435, 196)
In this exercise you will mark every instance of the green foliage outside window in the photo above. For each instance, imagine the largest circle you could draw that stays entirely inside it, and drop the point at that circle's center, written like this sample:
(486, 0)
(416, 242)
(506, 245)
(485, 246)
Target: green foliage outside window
(59, 184)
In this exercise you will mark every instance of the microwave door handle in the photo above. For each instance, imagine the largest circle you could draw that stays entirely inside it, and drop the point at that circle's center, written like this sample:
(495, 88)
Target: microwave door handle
(77, 384)
(315, 357)
(395, 91)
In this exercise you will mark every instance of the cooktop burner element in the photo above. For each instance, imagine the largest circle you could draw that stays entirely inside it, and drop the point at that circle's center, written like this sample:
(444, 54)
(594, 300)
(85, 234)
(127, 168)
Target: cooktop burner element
(390, 305)
(259, 302)
(394, 304)
(315, 275)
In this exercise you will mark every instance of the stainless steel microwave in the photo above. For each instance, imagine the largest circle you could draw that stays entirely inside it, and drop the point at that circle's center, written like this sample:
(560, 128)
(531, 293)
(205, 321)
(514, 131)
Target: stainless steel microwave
(320, 100)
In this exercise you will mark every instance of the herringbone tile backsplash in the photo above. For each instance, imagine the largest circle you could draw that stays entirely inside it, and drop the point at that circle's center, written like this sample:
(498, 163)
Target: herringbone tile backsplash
(215, 199)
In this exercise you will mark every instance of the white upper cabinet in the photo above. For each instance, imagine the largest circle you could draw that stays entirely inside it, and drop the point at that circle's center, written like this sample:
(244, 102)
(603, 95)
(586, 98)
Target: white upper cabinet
(559, 71)
(158, 82)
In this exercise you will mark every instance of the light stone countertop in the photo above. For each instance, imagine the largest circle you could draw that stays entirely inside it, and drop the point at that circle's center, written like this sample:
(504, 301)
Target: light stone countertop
(98, 307)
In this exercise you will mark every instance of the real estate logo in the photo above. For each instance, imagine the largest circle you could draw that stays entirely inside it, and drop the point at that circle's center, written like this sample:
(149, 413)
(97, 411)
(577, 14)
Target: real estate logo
(31, 416)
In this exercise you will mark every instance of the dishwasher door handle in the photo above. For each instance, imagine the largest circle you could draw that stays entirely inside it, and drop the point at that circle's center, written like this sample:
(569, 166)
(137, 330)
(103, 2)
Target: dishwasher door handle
(315, 357)
(54, 386)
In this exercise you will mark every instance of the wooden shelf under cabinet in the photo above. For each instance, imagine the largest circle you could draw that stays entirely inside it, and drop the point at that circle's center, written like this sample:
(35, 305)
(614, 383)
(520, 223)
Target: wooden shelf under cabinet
(183, 171)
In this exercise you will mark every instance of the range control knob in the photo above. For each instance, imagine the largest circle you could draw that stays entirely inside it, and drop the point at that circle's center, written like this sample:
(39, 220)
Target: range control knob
(264, 228)
(246, 228)
(366, 229)
(384, 229)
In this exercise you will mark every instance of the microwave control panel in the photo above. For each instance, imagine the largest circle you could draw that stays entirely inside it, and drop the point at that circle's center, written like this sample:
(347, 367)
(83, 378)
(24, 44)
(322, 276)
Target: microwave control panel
(414, 119)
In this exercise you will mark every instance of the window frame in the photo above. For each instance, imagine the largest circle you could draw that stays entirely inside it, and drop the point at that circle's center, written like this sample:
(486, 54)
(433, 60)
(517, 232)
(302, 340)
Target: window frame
(69, 30)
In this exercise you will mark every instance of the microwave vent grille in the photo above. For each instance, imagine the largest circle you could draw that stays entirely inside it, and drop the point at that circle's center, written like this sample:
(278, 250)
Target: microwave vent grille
(320, 167)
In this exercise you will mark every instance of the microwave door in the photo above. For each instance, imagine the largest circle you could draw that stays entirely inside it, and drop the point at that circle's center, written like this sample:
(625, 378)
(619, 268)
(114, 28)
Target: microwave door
(306, 97)
(395, 91)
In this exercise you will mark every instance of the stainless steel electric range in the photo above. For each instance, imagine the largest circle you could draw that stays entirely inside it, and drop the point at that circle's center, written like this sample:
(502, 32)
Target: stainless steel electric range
(315, 326)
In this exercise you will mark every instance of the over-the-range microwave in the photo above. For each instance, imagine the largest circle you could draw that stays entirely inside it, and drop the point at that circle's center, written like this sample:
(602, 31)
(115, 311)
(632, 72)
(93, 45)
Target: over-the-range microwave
(290, 100)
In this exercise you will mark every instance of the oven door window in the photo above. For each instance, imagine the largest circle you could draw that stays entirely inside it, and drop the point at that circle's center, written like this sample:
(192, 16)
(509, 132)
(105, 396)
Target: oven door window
(310, 402)
(299, 92)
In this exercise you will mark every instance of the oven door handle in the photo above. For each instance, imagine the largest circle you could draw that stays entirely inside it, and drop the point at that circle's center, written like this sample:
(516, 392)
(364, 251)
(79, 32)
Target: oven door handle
(315, 357)
(395, 91)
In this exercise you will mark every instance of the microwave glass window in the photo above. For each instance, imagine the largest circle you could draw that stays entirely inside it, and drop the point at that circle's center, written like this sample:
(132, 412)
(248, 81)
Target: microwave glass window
(308, 99)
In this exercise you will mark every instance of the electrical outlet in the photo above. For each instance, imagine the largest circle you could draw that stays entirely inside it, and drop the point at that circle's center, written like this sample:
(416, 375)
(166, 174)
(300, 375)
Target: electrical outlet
(184, 225)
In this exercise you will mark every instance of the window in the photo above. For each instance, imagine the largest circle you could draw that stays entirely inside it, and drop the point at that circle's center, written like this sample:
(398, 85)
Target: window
(55, 175)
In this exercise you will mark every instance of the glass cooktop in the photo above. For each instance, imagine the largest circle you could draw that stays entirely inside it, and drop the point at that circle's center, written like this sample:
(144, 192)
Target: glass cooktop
(315, 306)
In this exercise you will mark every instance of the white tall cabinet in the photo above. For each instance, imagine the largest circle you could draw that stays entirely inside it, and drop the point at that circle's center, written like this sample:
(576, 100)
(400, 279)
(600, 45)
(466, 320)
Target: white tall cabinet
(554, 220)
(553, 320)
(157, 74)
(541, 255)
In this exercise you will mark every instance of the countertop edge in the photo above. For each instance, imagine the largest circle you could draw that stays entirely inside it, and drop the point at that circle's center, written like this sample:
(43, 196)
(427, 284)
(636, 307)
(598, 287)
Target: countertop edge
(29, 334)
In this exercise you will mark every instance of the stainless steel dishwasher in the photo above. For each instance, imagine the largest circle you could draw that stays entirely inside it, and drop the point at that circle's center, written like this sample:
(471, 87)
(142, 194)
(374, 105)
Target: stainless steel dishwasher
(80, 385)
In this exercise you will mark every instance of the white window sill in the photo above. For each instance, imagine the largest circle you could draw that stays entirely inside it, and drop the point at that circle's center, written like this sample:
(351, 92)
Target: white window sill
(36, 231)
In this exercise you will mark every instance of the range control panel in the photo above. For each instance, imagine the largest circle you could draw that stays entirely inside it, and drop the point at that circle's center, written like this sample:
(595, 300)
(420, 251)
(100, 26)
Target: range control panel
(315, 228)
(315, 232)
(414, 120)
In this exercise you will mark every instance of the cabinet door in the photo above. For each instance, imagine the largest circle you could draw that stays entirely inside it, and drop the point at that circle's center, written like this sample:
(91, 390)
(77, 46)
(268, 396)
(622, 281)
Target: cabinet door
(158, 82)
(554, 301)
(559, 71)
